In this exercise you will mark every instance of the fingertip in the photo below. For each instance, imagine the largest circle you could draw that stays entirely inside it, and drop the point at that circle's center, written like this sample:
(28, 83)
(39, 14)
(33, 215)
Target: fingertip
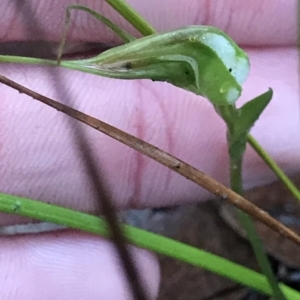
(69, 265)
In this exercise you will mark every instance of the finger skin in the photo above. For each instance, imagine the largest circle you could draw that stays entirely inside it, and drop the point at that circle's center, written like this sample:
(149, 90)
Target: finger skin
(39, 159)
(69, 265)
(252, 22)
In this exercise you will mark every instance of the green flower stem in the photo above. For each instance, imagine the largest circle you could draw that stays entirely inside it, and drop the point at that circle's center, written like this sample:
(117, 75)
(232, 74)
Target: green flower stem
(135, 19)
(236, 151)
(141, 238)
(27, 60)
(273, 165)
(46, 62)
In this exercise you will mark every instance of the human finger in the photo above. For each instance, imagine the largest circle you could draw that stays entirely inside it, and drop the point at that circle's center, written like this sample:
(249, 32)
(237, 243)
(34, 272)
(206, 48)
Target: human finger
(69, 265)
(251, 23)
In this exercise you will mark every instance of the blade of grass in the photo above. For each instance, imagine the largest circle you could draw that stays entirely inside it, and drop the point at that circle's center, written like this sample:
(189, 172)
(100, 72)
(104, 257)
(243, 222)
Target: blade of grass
(274, 166)
(141, 238)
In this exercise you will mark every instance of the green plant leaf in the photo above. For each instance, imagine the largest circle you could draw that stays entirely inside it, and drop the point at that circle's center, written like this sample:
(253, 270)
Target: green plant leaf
(239, 121)
(249, 113)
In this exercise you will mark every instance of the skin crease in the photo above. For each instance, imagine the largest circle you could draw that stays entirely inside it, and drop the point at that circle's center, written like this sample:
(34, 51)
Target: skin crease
(38, 160)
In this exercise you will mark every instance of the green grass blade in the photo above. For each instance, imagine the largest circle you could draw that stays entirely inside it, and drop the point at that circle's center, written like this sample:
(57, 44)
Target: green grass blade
(141, 238)
(274, 166)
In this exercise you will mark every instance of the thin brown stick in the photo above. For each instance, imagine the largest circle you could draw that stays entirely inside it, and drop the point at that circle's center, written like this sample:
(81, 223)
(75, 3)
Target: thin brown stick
(165, 159)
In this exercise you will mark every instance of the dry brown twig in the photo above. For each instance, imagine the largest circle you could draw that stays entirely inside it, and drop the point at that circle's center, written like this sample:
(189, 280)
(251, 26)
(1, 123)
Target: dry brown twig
(163, 158)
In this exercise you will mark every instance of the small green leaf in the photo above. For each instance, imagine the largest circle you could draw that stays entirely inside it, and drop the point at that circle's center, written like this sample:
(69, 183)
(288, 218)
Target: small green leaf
(249, 113)
(239, 121)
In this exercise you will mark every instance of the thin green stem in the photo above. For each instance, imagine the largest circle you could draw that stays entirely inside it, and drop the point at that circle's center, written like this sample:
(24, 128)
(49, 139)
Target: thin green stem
(141, 238)
(273, 165)
(53, 63)
(27, 60)
(132, 16)
(236, 183)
